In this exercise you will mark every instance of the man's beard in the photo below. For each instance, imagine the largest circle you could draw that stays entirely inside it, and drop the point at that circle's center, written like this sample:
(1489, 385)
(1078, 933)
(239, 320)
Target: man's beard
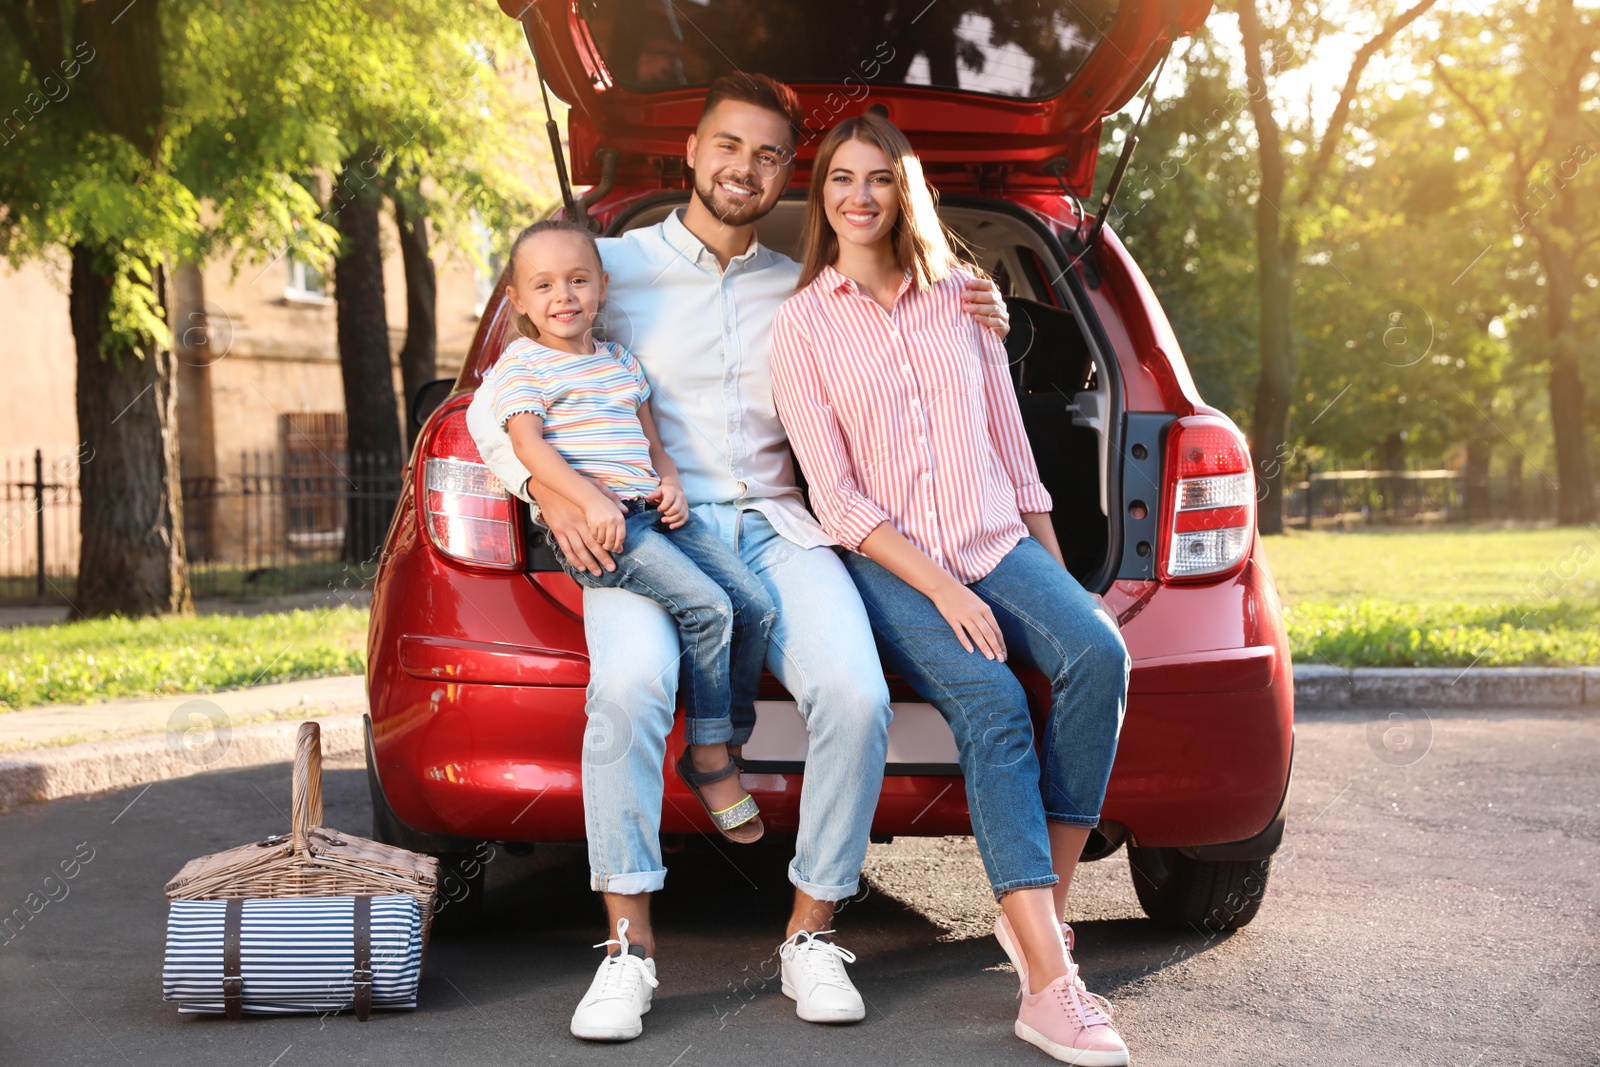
(717, 203)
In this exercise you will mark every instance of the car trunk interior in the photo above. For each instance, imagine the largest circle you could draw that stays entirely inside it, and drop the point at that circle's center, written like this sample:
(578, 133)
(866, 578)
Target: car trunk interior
(1064, 386)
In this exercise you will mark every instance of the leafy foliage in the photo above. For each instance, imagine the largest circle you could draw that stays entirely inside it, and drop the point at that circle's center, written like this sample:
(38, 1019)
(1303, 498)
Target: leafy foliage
(1424, 214)
(1376, 633)
(256, 97)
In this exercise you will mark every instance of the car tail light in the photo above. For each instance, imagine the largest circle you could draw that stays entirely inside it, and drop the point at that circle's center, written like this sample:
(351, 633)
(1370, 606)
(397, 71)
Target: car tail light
(1209, 521)
(468, 514)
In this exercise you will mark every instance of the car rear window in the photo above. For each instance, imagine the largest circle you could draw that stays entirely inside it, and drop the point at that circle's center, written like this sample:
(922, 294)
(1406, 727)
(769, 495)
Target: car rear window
(1027, 49)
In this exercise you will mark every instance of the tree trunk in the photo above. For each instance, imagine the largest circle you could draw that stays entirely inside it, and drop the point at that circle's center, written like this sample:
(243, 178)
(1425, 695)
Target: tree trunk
(1393, 486)
(372, 418)
(1575, 502)
(419, 355)
(1275, 254)
(1269, 428)
(1476, 502)
(1514, 493)
(196, 351)
(131, 561)
(1575, 485)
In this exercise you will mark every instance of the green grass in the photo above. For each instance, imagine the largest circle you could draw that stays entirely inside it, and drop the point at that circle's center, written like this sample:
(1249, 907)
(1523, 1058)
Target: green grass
(102, 659)
(1441, 598)
(1435, 598)
(1418, 566)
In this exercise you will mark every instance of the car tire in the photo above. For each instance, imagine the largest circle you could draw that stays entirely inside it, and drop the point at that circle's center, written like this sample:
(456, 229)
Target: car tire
(459, 904)
(1189, 894)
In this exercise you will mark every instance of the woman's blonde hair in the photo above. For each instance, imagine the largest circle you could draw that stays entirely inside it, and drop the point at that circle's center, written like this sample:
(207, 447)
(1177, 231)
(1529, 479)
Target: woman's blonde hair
(922, 244)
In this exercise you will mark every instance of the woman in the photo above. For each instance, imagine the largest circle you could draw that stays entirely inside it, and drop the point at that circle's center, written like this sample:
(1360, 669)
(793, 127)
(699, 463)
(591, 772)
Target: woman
(904, 420)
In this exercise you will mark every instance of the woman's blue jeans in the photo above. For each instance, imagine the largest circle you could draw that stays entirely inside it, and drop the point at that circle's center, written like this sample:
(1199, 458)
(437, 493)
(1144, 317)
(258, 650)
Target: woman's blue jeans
(1050, 622)
(723, 614)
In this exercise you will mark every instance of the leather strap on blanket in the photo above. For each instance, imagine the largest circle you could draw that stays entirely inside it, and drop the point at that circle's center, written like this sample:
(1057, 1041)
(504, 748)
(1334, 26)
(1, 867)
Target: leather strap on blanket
(232, 972)
(361, 978)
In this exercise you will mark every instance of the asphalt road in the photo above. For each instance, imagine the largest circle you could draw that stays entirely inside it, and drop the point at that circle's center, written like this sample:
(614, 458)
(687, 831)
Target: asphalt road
(1433, 907)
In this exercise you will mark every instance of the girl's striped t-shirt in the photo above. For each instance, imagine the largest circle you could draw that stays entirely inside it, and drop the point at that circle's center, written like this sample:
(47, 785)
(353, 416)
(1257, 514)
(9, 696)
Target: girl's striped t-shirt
(590, 407)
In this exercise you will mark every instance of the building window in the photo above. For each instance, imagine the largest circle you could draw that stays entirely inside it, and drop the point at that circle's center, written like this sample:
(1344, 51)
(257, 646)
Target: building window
(305, 281)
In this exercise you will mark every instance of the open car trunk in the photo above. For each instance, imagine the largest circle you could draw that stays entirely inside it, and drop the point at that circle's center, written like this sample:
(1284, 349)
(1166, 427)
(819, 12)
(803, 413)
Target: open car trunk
(1017, 88)
(1066, 386)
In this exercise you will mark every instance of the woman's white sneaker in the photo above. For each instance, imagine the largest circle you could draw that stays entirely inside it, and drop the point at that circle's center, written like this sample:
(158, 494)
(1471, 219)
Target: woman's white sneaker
(814, 978)
(613, 1008)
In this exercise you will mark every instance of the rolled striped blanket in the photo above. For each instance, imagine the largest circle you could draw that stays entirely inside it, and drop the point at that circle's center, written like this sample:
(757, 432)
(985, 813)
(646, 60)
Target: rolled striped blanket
(293, 954)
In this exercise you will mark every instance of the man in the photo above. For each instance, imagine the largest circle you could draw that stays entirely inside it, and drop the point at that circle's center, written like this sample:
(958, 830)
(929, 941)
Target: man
(694, 299)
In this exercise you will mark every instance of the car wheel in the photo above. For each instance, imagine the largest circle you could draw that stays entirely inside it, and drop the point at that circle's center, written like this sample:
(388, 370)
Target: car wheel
(459, 904)
(1215, 895)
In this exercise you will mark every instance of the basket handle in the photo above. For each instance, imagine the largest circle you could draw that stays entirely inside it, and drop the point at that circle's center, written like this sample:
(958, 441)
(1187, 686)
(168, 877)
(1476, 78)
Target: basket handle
(306, 790)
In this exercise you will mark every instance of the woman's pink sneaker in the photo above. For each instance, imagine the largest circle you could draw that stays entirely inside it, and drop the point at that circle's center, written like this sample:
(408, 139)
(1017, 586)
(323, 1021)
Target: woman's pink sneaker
(1069, 1025)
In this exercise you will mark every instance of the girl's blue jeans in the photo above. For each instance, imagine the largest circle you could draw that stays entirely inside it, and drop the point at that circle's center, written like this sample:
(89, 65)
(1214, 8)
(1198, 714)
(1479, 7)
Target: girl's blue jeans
(722, 611)
(1050, 622)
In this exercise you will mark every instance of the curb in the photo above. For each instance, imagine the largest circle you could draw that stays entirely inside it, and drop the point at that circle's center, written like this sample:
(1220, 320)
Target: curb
(31, 729)
(1319, 687)
(73, 770)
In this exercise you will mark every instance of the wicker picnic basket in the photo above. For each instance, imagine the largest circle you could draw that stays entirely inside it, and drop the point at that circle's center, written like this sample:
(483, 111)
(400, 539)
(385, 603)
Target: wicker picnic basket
(311, 860)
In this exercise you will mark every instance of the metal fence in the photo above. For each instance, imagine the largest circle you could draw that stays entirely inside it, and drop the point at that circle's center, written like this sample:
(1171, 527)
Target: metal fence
(275, 524)
(1342, 499)
(39, 528)
(307, 518)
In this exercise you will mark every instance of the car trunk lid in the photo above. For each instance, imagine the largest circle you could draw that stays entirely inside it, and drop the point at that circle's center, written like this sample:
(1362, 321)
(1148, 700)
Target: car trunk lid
(1008, 92)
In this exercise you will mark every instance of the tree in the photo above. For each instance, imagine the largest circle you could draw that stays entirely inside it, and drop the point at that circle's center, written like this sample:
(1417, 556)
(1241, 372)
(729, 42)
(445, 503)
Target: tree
(419, 354)
(1401, 354)
(135, 116)
(89, 176)
(1529, 88)
(104, 165)
(365, 364)
(425, 117)
(1183, 212)
(1280, 210)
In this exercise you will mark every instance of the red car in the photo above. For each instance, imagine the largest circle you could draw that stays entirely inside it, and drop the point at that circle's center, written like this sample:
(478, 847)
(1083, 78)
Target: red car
(476, 655)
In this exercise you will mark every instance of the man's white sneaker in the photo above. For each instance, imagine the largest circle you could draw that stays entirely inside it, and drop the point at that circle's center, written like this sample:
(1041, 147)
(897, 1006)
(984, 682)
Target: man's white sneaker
(613, 1008)
(815, 979)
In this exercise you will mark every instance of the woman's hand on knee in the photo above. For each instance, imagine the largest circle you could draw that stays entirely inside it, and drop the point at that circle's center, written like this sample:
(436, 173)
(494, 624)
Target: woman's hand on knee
(971, 619)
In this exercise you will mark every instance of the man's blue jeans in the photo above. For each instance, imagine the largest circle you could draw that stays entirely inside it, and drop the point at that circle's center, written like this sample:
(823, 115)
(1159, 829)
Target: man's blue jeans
(822, 651)
(721, 609)
(1049, 621)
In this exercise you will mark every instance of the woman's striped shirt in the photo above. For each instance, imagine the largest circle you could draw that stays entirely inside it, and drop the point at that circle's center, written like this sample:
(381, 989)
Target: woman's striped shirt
(905, 416)
(590, 407)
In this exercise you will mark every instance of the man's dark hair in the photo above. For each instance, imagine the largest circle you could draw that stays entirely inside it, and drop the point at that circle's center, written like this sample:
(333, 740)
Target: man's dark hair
(757, 89)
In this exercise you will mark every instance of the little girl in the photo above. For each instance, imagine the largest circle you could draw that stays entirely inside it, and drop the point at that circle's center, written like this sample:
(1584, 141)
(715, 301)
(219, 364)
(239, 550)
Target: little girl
(578, 415)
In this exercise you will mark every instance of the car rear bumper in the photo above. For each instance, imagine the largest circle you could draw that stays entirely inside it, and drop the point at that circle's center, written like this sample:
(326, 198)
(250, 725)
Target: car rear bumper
(485, 760)
(481, 739)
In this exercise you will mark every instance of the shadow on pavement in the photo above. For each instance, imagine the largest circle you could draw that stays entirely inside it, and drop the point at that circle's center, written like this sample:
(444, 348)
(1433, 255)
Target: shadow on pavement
(80, 981)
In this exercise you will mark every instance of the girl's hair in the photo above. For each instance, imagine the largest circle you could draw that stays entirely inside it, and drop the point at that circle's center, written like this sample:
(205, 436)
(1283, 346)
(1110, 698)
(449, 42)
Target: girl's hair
(922, 244)
(519, 321)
